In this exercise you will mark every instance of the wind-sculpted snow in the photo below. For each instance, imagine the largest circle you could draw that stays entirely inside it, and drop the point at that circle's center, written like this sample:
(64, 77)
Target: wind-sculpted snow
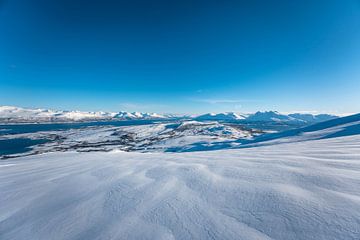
(303, 191)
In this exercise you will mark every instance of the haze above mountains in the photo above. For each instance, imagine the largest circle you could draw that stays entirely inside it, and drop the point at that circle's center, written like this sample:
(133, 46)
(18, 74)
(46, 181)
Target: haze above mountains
(18, 114)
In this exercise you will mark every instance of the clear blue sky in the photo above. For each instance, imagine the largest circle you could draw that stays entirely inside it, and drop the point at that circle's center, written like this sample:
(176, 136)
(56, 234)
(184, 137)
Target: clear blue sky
(181, 56)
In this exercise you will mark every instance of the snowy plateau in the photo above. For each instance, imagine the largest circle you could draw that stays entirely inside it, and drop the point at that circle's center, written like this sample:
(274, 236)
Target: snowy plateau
(215, 176)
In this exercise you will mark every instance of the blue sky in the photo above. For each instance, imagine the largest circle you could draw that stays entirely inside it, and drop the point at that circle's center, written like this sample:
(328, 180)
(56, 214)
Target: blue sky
(181, 56)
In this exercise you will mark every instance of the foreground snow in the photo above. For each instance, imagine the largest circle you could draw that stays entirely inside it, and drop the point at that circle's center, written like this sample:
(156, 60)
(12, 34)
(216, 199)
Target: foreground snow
(302, 190)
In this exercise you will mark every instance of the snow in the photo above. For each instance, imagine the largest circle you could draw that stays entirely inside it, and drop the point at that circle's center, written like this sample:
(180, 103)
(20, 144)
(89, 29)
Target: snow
(300, 190)
(301, 184)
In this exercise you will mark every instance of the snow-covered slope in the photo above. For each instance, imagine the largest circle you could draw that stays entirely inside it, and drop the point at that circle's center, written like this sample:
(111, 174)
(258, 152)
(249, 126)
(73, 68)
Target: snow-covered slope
(16, 114)
(338, 127)
(297, 191)
(220, 116)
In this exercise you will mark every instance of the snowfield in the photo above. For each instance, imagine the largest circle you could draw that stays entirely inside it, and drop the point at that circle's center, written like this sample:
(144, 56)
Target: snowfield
(299, 190)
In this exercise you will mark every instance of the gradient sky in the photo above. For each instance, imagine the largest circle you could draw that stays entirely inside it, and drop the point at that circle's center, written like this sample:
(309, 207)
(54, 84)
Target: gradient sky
(181, 56)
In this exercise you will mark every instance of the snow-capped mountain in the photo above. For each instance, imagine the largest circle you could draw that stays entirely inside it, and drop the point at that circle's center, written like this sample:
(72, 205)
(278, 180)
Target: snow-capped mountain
(17, 114)
(136, 115)
(267, 116)
(271, 116)
(312, 118)
(220, 116)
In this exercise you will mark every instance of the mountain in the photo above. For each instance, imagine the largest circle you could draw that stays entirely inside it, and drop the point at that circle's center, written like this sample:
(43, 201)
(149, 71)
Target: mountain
(136, 115)
(274, 116)
(17, 114)
(220, 116)
(271, 116)
(312, 118)
(267, 116)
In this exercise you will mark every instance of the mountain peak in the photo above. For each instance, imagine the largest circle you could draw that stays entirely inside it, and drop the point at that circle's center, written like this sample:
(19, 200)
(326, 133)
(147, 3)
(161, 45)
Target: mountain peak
(220, 116)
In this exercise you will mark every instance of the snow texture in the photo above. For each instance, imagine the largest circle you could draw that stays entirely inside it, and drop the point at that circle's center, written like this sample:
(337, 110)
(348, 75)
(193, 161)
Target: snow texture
(301, 190)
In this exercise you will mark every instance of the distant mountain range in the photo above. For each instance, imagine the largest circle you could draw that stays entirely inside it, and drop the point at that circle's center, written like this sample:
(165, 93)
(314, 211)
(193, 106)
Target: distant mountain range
(220, 116)
(268, 116)
(17, 114)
